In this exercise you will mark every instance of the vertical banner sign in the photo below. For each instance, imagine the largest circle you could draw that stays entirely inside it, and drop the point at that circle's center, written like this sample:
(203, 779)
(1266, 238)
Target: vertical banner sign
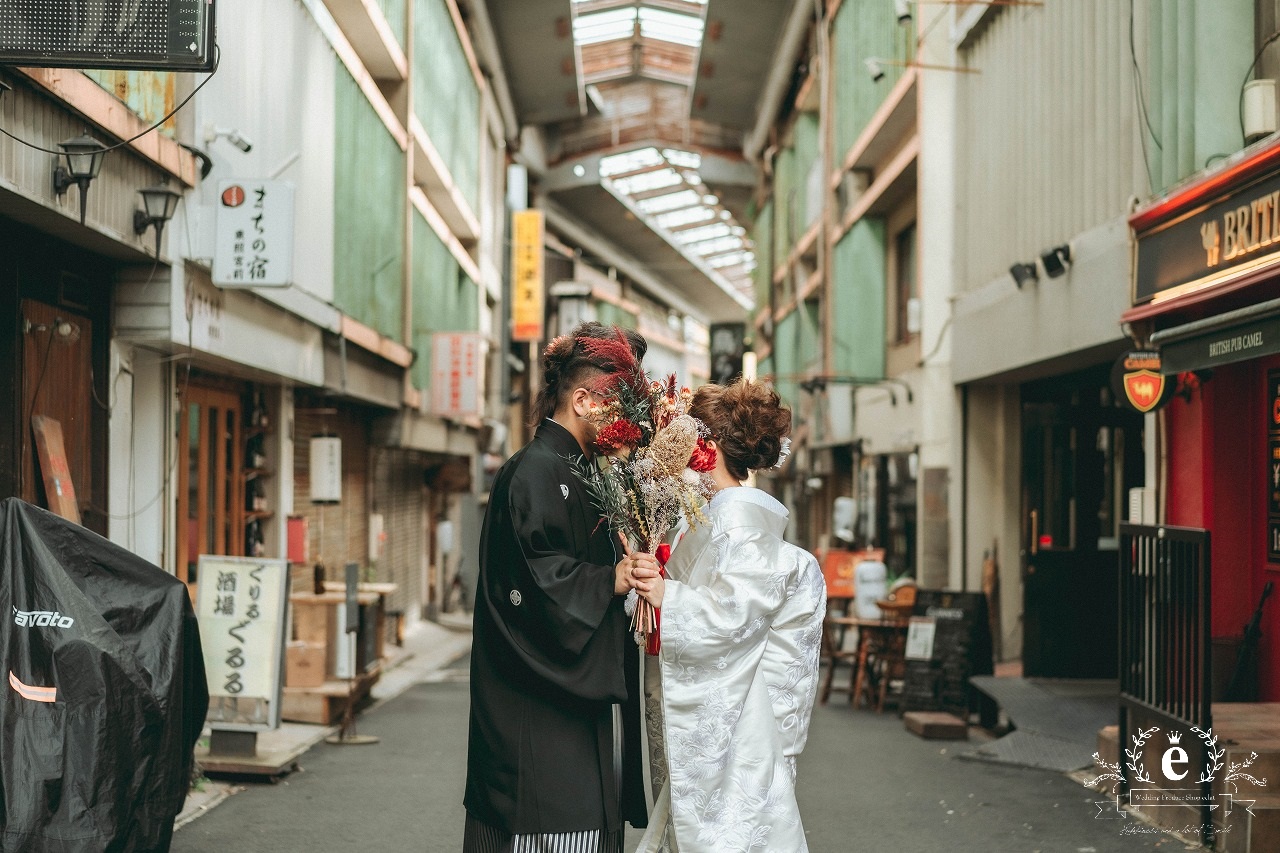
(241, 603)
(253, 234)
(527, 284)
(457, 366)
(728, 344)
(1273, 466)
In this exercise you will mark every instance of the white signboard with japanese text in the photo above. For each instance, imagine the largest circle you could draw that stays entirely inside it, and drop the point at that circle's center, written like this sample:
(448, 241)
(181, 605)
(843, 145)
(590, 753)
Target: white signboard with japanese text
(457, 365)
(241, 611)
(253, 234)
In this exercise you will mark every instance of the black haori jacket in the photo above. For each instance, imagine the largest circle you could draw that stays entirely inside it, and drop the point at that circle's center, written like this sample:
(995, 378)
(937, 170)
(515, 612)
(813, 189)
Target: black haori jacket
(552, 652)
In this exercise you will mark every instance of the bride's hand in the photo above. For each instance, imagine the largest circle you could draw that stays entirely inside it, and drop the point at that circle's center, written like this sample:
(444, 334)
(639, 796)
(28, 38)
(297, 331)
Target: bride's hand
(652, 590)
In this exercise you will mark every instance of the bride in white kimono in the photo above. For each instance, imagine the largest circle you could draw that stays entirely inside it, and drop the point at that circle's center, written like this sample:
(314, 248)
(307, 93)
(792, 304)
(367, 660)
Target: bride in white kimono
(729, 696)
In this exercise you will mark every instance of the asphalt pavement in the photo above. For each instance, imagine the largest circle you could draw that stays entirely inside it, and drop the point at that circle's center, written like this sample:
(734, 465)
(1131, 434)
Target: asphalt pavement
(865, 784)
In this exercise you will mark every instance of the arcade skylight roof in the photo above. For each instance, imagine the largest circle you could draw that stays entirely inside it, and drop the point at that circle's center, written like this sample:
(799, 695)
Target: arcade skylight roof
(660, 41)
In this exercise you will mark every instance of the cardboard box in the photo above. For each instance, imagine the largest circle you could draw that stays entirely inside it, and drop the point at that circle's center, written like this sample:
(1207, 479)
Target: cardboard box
(304, 664)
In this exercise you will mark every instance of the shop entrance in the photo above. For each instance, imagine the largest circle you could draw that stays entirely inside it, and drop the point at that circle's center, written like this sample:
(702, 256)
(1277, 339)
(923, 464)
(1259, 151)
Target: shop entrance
(1081, 454)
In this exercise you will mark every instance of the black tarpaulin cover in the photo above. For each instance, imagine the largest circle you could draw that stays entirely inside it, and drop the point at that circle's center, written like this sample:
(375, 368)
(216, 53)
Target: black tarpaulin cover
(104, 691)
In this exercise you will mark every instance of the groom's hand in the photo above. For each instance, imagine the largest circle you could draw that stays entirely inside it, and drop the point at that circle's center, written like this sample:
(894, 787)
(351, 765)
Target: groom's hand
(634, 571)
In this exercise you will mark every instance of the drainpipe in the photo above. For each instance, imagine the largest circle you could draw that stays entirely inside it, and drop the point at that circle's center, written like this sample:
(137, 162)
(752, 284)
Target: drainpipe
(780, 71)
(406, 264)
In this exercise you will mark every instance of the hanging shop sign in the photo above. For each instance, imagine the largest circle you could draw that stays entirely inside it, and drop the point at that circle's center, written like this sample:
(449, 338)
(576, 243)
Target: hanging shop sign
(728, 345)
(527, 279)
(253, 234)
(1137, 380)
(457, 367)
(241, 608)
(1236, 233)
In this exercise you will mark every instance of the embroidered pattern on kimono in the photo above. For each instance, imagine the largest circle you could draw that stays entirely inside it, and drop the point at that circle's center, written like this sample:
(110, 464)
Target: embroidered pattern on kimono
(731, 695)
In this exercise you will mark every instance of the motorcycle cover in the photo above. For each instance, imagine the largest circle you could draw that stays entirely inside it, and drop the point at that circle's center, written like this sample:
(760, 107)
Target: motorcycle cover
(104, 691)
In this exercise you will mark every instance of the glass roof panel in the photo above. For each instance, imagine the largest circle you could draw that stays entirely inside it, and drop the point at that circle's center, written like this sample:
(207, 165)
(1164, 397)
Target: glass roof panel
(688, 216)
(720, 244)
(706, 232)
(670, 201)
(648, 181)
(670, 26)
(611, 24)
(629, 161)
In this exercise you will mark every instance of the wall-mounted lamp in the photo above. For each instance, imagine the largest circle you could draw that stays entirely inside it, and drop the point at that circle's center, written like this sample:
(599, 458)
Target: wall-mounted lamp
(158, 203)
(1056, 260)
(1024, 274)
(83, 161)
(875, 67)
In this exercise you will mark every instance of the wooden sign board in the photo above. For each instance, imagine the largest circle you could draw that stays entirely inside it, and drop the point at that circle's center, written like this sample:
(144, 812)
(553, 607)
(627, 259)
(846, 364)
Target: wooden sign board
(945, 655)
(241, 611)
(59, 491)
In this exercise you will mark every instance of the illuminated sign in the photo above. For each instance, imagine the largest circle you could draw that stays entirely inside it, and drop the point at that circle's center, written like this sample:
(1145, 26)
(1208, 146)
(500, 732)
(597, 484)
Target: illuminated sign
(527, 285)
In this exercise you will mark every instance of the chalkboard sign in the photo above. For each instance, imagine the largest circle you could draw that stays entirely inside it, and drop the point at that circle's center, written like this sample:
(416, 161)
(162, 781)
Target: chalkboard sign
(937, 679)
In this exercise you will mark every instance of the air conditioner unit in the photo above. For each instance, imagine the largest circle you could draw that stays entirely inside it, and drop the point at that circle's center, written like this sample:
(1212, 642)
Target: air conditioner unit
(157, 35)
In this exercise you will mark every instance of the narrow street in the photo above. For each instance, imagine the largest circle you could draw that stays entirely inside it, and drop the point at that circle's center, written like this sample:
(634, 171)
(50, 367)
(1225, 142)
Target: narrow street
(866, 784)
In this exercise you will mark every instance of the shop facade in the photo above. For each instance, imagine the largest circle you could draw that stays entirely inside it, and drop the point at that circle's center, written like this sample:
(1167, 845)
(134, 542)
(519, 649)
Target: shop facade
(1206, 297)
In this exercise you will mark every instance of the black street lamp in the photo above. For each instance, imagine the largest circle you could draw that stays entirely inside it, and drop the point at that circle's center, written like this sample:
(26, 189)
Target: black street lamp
(159, 204)
(83, 156)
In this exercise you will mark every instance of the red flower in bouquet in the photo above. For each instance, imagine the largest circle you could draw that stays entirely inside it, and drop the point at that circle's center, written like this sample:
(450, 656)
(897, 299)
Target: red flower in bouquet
(704, 457)
(617, 435)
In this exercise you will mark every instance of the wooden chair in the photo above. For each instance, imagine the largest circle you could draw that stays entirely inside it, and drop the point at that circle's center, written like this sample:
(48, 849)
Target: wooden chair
(892, 666)
(838, 568)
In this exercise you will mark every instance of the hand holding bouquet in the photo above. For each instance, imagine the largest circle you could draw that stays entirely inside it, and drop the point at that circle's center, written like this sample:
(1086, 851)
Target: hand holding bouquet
(652, 471)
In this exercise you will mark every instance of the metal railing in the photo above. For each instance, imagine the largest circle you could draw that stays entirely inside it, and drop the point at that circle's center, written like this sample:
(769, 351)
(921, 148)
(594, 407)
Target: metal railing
(1165, 671)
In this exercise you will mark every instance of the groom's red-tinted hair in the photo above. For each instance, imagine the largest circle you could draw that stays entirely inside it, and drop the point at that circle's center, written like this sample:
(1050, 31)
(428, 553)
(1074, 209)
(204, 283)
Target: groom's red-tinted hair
(572, 361)
(747, 421)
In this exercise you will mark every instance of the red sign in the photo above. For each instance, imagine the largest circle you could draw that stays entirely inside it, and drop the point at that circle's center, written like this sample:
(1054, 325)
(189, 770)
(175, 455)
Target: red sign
(1136, 378)
(1143, 388)
(233, 196)
(457, 370)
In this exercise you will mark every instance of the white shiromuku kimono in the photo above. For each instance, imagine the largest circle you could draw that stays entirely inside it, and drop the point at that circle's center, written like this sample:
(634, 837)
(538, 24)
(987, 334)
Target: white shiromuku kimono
(729, 697)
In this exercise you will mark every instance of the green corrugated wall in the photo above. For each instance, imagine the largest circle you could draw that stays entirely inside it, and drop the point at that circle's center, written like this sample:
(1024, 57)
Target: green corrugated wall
(865, 29)
(445, 299)
(394, 12)
(858, 301)
(1198, 55)
(445, 95)
(762, 233)
(369, 200)
(613, 315)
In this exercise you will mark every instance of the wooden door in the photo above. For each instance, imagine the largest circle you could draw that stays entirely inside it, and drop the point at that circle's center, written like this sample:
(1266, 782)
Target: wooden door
(211, 499)
(57, 383)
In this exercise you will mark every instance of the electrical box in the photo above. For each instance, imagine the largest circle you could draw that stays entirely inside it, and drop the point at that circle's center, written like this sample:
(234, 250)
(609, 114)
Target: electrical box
(157, 35)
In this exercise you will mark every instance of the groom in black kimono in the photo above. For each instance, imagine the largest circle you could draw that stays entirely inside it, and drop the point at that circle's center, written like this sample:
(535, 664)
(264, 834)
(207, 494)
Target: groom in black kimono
(554, 759)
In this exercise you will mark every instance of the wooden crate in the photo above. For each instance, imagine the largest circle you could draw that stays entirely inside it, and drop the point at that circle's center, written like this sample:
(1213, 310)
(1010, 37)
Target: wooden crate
(936, 725)
(304, 664)
(326, 703)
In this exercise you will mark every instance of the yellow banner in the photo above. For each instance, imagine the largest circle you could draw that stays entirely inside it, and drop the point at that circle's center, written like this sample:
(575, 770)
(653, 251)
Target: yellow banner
(526, 276)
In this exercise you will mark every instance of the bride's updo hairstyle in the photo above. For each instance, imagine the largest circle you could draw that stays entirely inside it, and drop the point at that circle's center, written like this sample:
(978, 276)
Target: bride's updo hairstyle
(568, 364)
(747, 421)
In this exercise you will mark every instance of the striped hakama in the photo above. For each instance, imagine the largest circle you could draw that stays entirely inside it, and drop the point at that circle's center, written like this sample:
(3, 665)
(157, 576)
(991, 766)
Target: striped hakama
(482, 838)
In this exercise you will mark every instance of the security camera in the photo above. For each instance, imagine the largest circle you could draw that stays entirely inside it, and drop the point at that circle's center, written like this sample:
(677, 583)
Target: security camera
(239, 140)
(874, 69)
(903, 9)
(232, 135)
